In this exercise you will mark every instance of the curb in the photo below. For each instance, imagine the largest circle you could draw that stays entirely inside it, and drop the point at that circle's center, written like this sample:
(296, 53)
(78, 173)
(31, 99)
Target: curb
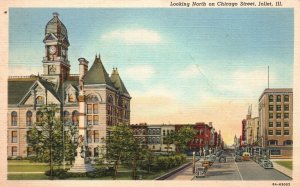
(163, 177)
(283, 172)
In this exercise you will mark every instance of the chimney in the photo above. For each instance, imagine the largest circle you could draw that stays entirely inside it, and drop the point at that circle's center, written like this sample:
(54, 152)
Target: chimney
(83, 67)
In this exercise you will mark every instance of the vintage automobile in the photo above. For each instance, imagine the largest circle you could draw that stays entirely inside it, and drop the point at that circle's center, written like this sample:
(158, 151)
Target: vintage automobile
(265, 163)
(238, 158)
(246, 156)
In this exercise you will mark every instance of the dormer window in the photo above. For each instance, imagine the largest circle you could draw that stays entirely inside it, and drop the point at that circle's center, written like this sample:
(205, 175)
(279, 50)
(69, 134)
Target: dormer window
(71, 98)
(39, 100)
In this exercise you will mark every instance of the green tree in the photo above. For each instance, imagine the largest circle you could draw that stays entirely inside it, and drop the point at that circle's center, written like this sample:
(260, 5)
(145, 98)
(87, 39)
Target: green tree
(119, 145)
(46, 138)
(137, 152)
(183, 136)
(168, 140)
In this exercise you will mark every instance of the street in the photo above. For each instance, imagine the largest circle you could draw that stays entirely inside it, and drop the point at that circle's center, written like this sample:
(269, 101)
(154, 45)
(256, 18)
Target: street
(231, 170)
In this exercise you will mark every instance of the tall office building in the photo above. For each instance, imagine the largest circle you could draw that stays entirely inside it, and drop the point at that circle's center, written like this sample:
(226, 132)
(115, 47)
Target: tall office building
(276, 120)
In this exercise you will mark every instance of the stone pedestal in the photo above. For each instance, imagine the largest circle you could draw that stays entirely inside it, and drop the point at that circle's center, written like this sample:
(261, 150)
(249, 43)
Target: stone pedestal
(80, 166)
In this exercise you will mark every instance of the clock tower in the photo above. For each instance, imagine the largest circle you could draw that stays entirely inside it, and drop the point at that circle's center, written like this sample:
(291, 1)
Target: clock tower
(56, 66)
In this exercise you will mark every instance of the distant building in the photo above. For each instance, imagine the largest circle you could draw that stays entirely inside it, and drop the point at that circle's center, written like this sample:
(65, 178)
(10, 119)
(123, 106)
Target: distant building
(276, 119)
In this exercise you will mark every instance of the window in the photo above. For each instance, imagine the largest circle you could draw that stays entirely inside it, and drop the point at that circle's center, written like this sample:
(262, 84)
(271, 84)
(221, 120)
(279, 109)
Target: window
(75, 115)
(14, 118)
(270, 132)
(71, 98)
(14, 137)
(29, 151)
(39, 116)
(278, 115)
(164, 132)
(270, 115)
(278, 107)
(157, 140)
(286, 132)
(89, 108)
(286, 98)
(288, 142)
(28, 118)
(286, 124)
(28, 134)
(278, 124)
(270, 124)
(66, 116)
(89, 120)
(96, 136)
(89, 136)
(92, 111)
(96, 120)
(271, 107)
(270, 98)
(39, 100)
(275, 152)
(278, 98)
(95, 108)
(14, 151)
(126, 111)
(272, 142)
(286, 107)
(278, 132)
(96, 153)
(286, 115)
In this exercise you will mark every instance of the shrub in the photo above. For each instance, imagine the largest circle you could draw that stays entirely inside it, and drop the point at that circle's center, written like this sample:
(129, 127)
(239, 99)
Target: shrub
(59, 173)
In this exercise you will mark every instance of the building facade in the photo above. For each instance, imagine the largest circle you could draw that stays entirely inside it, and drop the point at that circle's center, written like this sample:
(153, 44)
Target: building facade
(106, 99)
(276, 120)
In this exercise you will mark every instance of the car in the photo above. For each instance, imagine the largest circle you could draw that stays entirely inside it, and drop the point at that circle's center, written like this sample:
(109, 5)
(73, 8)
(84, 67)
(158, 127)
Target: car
(238, 158)
(265, 163)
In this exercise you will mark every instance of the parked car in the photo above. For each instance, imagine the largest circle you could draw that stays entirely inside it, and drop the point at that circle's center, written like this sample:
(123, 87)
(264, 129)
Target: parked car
(238, 158)
(265, 163)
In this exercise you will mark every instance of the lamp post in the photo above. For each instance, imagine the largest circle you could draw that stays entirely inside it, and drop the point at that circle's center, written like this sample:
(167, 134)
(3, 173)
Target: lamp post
(193, 161)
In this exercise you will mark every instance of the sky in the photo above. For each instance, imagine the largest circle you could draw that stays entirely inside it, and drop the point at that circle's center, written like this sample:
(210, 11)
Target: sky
(180, 65)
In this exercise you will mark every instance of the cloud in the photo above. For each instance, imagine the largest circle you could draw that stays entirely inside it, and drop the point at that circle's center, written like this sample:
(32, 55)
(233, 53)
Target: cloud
(247, 82)
(190, 71)
(139, 73)
(137, 36)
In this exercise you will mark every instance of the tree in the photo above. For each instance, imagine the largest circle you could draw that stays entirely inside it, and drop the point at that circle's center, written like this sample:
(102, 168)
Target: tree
(137, 152)
(46, 138)
(168, 140)
(119, 145)
(183, 136)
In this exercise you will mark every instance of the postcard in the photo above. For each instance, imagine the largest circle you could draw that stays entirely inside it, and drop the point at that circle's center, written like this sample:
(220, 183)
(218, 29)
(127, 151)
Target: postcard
(150, 93)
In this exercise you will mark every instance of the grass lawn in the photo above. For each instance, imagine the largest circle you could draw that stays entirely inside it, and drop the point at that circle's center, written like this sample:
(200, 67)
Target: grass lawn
(26, 166)
(39, 176)
(287, 164)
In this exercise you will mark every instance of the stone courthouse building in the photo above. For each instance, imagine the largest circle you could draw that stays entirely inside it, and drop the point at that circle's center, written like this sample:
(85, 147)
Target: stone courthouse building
(107, 100)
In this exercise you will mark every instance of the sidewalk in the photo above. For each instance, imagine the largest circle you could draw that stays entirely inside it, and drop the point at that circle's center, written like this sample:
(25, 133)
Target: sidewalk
(282, 169)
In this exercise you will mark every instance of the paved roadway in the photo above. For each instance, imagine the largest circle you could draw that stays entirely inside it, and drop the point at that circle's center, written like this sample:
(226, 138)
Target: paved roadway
(247, 170)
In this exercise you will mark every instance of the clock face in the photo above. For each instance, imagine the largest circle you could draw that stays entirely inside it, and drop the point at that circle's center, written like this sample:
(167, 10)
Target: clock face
(52, 49)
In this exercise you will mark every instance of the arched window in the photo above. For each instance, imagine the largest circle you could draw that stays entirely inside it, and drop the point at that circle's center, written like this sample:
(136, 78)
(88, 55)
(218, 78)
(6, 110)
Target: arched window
(75, 117)
(66, 116)
(14, 118)
(39, 100)
(28, 118)
(39, 116)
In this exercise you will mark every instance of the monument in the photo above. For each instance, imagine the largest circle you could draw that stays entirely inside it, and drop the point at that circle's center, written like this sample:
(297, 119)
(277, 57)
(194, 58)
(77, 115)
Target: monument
(81, 164)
